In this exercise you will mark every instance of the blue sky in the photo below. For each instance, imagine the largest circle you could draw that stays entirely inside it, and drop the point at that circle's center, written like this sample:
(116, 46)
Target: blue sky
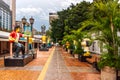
(40, 9)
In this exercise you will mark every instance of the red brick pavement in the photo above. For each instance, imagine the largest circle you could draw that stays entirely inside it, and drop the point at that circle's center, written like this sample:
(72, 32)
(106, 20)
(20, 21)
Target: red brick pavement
(79, 70)
(29, 72)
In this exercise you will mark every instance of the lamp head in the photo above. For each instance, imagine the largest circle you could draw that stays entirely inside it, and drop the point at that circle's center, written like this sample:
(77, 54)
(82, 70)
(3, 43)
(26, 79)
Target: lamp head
(24, 20)
(31, 20)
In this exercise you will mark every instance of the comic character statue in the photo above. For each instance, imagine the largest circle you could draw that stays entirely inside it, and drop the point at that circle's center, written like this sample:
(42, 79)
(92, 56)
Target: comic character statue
(14, 37)
(30, 44)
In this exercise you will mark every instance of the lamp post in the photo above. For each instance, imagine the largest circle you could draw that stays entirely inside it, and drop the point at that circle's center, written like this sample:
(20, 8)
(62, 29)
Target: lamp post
(31, 22)
(27, 25)
(24, 20)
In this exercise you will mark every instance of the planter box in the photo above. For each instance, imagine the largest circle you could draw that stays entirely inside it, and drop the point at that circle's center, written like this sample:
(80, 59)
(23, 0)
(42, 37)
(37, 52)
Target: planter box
(79, 57)
(108, 73)
(68, 50)
(75, 55)
(71, 51)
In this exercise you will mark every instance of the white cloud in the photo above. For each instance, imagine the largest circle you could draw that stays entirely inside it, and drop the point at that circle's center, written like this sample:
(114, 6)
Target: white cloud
(67, 3)
(40, 9)
(29, 10)
(51, 10)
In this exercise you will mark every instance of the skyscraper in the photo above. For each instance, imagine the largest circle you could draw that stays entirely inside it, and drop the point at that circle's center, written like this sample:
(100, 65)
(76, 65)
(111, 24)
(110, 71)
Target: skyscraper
(12, 4)
(5, 16)
(52, 17)
(7, 2)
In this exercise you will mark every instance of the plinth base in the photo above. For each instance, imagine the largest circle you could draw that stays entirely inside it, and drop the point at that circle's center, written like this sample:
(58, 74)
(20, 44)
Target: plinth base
(35, 56)
(19, 61)
(83, 58)
(44, 49)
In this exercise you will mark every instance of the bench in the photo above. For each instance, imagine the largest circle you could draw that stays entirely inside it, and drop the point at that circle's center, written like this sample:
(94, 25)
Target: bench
(93, 60)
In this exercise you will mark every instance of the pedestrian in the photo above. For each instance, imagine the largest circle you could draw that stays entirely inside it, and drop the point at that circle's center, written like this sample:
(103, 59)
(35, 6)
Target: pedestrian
(14, 38)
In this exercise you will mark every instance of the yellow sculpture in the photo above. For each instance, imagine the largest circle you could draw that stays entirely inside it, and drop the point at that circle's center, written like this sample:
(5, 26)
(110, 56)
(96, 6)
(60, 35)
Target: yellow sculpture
(44, 38)
(85, 47)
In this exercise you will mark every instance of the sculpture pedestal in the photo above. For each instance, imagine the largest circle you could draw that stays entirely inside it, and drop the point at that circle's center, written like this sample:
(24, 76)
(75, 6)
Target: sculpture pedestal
(34, 55)
(43, 49)
(83, 58)
(18, 61)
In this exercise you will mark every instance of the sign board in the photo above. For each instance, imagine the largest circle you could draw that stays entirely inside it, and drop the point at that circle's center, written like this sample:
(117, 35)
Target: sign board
(27, 31)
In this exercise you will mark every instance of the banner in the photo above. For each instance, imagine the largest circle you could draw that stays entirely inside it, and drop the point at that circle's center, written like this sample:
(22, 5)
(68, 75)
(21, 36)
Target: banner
(27, 31)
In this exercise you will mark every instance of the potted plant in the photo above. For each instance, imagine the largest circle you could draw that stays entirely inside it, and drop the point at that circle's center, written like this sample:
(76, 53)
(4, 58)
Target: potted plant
(105, 24)
(108, 64)
(78, 51)
(71, 48)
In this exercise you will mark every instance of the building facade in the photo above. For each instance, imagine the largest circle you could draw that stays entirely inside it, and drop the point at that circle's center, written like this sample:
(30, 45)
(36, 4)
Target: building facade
(5, 25)
(52, 17)
(5, 16)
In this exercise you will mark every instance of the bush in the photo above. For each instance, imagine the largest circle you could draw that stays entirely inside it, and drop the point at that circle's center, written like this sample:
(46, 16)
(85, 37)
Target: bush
(110, 60)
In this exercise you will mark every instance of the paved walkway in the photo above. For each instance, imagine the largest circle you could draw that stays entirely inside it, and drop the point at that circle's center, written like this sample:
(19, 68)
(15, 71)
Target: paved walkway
(29, 72)
(57, 69)
(79, 70)
(50, 65)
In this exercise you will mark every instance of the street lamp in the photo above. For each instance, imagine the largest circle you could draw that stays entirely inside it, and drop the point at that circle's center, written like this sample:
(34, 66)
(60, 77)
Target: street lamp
(31, 22)
(24, 20)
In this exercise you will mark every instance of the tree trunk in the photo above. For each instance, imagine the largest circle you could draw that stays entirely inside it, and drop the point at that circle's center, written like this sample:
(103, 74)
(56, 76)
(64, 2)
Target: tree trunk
(108, 73)
(113, 35)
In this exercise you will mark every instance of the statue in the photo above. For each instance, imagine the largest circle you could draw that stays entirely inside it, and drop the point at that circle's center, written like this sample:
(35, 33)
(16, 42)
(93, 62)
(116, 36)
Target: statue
(14, 37)
(43, 27)
(85, 44)
(30, 44)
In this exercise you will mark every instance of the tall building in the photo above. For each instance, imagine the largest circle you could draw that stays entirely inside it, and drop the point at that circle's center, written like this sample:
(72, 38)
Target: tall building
(13, 9)
(5, 16)
(7, 2)
(52, 17)
(5, 25)
(12, 4)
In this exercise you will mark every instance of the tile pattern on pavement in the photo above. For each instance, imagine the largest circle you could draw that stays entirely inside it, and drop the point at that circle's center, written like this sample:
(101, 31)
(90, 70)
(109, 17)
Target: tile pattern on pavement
(57, 69)
(79, 70)
(31, 71)
(63, 66)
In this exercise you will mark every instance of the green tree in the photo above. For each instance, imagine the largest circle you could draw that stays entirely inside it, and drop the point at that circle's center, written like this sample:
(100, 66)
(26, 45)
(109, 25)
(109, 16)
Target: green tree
(56, 30)
(76, 16)
(70, 19)
(106, 17)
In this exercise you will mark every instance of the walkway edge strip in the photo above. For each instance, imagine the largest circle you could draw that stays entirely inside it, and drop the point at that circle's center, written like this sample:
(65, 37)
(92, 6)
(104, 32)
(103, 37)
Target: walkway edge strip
(44, 70)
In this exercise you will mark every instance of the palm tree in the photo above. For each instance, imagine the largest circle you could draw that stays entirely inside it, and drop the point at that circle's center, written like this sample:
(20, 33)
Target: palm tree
(105, 20)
